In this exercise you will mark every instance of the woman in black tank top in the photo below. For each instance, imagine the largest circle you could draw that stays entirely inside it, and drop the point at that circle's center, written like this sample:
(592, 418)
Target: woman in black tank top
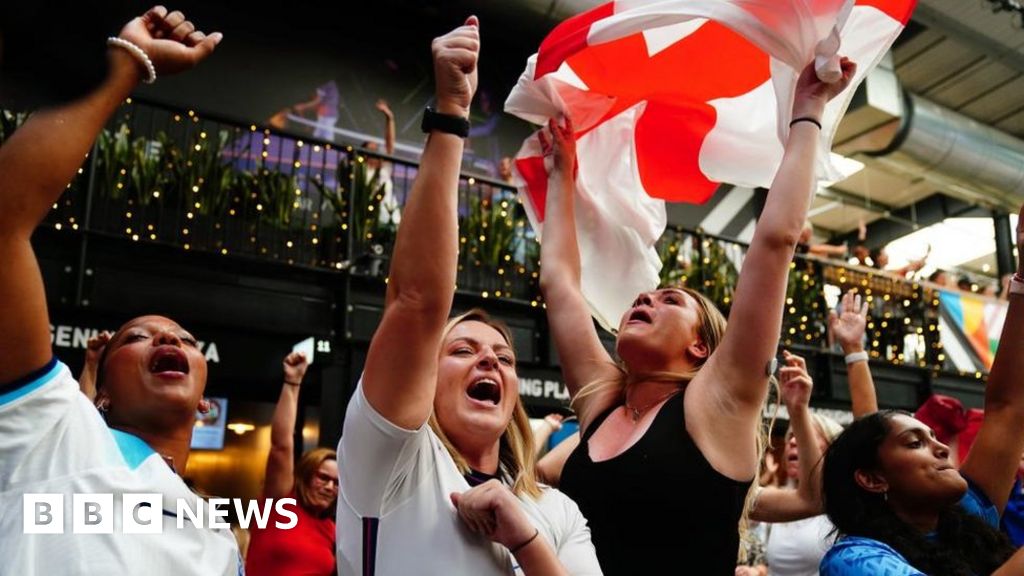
(670, 436)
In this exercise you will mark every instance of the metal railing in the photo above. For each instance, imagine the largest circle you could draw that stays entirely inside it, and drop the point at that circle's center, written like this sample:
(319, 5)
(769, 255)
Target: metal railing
(166, 176)
(198, 183)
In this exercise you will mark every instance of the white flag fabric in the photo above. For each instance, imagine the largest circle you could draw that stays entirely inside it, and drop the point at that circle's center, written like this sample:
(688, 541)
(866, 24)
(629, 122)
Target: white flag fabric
(670, 98)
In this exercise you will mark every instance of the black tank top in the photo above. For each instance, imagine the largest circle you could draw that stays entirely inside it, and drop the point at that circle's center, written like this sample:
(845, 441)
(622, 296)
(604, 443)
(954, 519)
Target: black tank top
(659, 507)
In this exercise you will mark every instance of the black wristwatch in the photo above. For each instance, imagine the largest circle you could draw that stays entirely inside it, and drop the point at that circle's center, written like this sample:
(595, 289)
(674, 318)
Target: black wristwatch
(449, 123)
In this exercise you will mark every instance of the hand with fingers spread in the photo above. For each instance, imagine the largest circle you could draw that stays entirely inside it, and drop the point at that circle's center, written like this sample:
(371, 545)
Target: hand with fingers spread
(558, 141)
(170, 41)
(491, 510)
(455, 75)
(295, 365)
(795, 382)
(848, 327)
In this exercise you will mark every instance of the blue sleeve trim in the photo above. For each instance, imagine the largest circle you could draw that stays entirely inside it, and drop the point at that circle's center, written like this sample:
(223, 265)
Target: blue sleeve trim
(29, 383)
(133, 449)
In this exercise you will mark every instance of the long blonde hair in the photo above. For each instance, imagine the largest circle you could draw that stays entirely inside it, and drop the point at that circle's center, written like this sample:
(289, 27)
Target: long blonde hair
(515, 453)
(710, 331)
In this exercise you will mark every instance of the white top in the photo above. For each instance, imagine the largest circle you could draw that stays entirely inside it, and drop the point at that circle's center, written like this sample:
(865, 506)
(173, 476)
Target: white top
(796, 548)
(396, 517)
(390, 212)
(53, 441)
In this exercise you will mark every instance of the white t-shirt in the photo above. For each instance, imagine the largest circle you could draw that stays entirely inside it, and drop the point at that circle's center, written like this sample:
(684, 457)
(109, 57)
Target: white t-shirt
(796, 548)
(52, 440)
(394, 509)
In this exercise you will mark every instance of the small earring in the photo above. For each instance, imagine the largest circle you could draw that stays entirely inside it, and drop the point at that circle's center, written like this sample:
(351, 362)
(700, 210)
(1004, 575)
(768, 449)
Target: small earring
(204, 406)
(103, 405)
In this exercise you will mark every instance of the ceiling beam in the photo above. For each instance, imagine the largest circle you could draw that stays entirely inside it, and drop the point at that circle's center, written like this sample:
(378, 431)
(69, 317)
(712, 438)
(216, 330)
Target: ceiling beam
(856, 200)
(996, 51)
(924, 212)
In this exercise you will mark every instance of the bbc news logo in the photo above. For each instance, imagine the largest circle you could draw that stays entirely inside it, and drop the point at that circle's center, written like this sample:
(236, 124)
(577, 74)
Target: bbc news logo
(144, 513)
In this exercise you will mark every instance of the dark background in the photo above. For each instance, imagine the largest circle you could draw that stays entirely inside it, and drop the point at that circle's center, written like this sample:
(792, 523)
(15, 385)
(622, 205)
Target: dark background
(274, 56)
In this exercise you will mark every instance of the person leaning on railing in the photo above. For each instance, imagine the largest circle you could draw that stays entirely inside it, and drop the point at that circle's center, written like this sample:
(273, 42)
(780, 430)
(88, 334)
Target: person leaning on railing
(150, 377)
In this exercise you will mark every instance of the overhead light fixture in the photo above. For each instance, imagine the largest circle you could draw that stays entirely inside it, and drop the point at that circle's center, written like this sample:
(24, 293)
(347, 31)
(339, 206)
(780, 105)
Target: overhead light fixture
(240, 427)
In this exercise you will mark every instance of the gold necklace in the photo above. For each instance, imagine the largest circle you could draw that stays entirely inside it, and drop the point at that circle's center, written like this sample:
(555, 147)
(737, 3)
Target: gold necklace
(636, 413)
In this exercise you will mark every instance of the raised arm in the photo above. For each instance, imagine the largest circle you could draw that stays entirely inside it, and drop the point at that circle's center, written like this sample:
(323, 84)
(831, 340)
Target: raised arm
(583, 357)
(994, 457)
(280, 475)
(389, 126)
(848, 329)
(39, 160)
(549, 468)
(788, 504)
(738, 365)
(401, 365)
(549, 425)
(726, 395)
(93, 351)
(827, 250)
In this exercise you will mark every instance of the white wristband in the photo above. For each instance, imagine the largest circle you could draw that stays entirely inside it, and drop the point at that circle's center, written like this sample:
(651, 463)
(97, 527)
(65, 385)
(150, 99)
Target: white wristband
(138, 53)
(861, 356)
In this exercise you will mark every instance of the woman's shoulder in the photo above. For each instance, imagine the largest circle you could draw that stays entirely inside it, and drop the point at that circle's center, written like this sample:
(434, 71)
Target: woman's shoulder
(857, 556)
(553, 503)
(977, 503)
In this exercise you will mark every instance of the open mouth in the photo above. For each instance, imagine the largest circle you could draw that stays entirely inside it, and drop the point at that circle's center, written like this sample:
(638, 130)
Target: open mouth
(485, 390)
(168, 360)
(640, 315)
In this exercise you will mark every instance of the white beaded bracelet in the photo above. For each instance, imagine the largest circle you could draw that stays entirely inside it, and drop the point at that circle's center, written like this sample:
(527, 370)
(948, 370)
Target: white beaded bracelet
(138, 53)
(861, 356)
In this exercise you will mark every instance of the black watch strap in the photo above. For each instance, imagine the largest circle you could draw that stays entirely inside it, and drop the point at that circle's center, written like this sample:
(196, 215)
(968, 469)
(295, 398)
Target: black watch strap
(434, 120)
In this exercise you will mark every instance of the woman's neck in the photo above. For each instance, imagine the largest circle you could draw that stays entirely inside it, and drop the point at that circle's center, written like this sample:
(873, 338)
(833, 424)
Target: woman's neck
(482, 458)
(646, 391)
(924, 521)
(173, 447)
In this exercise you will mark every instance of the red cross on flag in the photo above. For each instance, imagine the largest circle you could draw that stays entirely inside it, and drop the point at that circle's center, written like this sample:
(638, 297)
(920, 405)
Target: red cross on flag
(670, 98)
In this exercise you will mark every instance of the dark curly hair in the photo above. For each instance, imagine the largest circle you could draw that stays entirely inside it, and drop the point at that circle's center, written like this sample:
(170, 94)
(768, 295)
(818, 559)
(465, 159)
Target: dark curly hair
(964, 544)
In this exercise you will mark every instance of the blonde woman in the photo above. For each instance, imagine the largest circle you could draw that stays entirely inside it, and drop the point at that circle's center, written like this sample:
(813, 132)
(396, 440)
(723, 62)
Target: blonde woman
(669, 437)
(436, 454)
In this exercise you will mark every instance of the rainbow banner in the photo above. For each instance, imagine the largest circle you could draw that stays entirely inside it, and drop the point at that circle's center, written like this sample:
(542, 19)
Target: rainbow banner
(978, 320)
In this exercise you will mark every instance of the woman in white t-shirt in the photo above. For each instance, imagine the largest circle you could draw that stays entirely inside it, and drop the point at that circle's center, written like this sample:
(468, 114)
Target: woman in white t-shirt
(799, 533)
(436, 457)
(53, 441)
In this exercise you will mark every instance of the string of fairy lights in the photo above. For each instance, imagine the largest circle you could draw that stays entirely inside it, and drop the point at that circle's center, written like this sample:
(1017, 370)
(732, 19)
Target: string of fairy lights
(275, 209)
